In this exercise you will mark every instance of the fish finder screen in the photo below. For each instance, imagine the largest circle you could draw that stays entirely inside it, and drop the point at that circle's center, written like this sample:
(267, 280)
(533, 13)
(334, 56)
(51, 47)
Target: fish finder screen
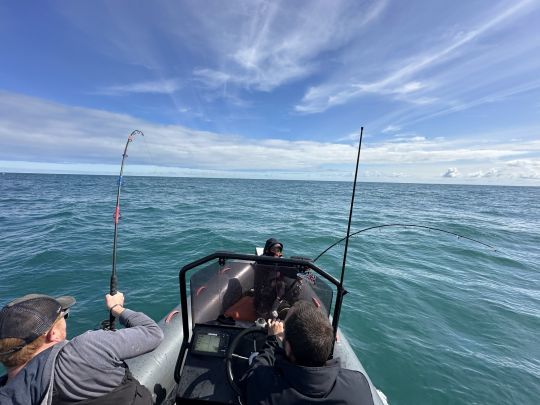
(207, 343)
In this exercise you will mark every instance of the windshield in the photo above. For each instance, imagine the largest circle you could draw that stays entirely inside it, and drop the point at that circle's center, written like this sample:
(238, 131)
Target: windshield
(246, 290)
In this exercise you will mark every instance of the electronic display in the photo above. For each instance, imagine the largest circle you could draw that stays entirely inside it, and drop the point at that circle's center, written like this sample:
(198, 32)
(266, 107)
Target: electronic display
(207, 342)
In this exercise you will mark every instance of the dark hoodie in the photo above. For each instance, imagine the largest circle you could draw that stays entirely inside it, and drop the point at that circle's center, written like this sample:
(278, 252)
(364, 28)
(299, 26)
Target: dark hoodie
(268, 245)
(272, 380)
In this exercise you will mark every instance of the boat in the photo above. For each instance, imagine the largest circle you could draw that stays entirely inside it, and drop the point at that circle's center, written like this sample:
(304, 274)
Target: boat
(219, 324)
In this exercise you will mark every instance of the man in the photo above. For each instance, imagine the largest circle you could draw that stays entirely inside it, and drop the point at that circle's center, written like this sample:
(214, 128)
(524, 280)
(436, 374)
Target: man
(273, 247)
(301, 374)
(44, 368)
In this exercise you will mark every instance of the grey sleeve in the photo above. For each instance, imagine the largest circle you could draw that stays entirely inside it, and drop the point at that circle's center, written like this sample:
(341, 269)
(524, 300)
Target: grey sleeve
(141, 335)
(91, 364)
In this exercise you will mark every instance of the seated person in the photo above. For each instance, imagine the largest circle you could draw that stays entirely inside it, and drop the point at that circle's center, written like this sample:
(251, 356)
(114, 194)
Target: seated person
(273, 247)
(301, 374)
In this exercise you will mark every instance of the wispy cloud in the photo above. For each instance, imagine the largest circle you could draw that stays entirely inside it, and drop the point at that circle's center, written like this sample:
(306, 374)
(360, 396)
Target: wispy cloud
(274, 44)
(165, 86)
(402, 83)
(420, 151)
(391, 128)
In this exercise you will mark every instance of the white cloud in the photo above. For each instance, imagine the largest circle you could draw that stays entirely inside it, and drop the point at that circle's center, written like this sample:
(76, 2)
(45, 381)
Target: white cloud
(165, 86)
(212, 78)
(391, 128)
(435, 151)
(410, 87)
(514, 169)
(451, 173)
(487, 174)
(274, 43)
(404, 137)
(529, 164)
(401, 81)
(35, 130)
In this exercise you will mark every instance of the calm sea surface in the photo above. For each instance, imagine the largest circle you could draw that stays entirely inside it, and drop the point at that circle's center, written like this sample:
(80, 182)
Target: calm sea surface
(433, 318)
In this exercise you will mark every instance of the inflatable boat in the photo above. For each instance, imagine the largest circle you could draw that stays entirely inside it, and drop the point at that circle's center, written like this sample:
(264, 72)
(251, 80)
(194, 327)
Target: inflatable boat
(225, 299)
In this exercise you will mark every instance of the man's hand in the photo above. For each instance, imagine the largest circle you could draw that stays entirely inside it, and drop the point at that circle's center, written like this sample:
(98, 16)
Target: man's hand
(115, 303)
(276, 328)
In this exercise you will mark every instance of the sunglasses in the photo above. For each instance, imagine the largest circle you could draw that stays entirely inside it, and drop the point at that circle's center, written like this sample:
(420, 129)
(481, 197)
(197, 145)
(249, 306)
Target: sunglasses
(275, 249)
(65, 314)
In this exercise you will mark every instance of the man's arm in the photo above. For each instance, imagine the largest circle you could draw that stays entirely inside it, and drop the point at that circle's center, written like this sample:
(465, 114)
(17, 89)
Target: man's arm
(92, 364)
(267, 357)
(140, 336)
(109, 349)
(275, 335)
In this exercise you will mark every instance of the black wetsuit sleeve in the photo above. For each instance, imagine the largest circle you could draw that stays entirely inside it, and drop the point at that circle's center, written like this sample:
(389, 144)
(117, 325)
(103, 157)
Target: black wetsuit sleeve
(266, 358)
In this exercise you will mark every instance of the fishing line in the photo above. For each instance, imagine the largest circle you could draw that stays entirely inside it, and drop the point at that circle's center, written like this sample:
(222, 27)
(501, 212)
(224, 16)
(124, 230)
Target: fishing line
(152, 160)
(114, 280)
(431, 228)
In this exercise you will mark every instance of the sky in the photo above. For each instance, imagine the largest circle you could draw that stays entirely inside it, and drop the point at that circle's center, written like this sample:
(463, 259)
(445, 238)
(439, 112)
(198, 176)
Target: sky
(447, 92)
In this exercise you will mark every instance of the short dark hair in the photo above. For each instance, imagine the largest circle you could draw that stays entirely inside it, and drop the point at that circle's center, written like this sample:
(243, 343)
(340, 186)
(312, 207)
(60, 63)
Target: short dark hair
(309, 334)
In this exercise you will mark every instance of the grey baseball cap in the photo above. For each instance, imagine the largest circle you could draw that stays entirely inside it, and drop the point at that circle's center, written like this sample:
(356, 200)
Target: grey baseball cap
(29, 317)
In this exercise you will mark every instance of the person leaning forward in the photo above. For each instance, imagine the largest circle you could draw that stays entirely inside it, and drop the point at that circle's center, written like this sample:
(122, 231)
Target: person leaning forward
(301, 374)
(45, 368)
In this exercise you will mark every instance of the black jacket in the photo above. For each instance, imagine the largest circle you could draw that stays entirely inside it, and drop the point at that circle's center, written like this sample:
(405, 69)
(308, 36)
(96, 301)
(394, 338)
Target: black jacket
(268, 245)
(272, 380)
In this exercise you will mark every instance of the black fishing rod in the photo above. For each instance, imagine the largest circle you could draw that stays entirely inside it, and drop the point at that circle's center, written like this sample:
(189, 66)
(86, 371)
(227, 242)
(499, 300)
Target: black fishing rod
(114, 280)
(431, 228)
(341, 291)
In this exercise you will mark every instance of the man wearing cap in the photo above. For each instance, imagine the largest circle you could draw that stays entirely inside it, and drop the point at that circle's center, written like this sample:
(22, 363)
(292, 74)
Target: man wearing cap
(273, 247)
(44, 368)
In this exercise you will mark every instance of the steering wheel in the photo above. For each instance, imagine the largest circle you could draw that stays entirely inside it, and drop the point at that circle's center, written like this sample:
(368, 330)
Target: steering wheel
(231, 354)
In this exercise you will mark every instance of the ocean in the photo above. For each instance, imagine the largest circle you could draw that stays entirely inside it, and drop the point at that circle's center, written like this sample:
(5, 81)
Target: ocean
(435, 319)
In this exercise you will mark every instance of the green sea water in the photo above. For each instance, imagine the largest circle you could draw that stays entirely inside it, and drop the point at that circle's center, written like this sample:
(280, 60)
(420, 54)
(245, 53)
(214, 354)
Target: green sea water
(434, 319)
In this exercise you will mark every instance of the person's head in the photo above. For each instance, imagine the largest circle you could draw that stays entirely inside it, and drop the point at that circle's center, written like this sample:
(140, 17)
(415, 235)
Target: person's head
(309, 337)
(29, 324)
(273, 247)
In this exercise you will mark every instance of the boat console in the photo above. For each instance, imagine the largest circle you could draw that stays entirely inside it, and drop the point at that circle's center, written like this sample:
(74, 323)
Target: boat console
(231, 296)
(204, 374)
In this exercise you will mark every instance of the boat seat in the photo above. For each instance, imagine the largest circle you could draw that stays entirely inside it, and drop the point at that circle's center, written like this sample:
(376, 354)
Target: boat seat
(243, 309)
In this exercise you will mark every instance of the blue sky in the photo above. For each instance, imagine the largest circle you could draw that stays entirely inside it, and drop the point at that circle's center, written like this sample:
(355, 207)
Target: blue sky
(448, 92)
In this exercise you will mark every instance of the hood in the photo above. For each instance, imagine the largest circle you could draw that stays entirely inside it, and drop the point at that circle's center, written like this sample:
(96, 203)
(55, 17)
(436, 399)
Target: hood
(315, 382)
(269, 243)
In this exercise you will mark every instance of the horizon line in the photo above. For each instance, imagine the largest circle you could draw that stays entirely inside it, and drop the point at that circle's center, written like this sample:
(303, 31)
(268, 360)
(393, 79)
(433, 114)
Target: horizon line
(427, 183)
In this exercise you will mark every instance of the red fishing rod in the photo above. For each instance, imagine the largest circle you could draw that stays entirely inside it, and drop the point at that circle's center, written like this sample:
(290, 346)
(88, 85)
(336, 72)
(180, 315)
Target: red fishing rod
(110, 323)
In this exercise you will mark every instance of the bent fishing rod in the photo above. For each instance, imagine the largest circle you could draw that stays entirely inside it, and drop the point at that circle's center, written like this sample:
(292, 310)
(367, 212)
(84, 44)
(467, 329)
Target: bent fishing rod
(431, 228)
(114, 280)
